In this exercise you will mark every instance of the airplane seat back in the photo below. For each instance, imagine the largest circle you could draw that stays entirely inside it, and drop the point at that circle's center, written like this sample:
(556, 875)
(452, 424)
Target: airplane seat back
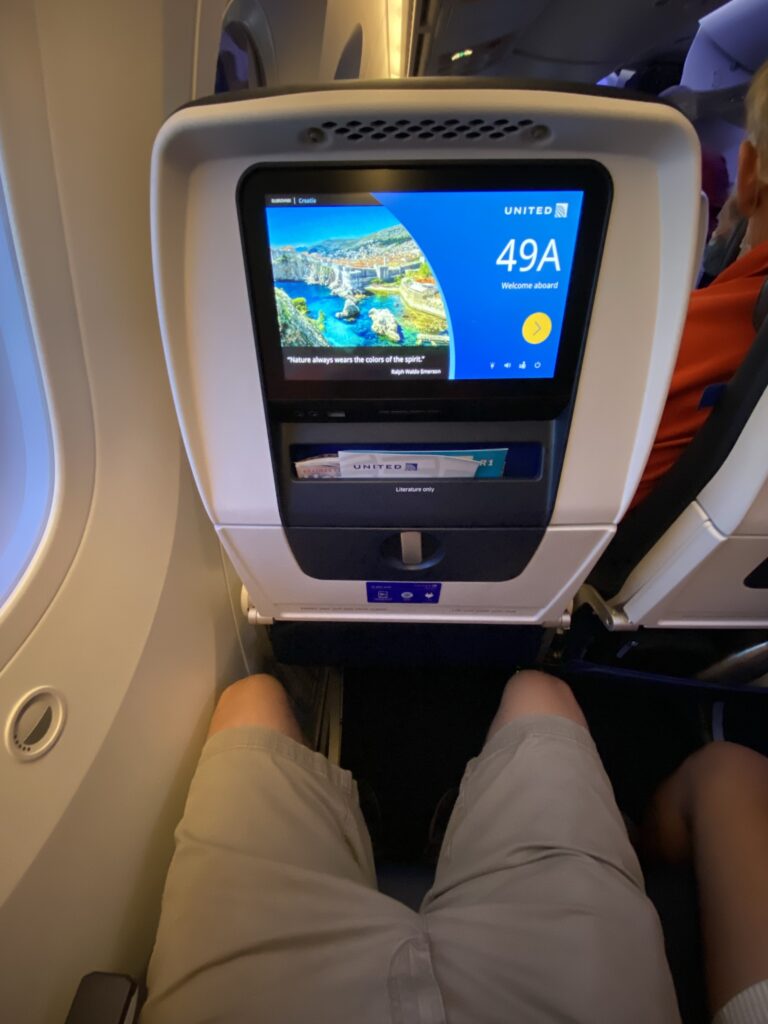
(560, 366)
(694, 553)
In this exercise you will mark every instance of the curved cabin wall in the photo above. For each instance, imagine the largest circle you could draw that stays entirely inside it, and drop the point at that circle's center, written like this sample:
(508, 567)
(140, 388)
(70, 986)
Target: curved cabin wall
(127, 607)
(126, 610)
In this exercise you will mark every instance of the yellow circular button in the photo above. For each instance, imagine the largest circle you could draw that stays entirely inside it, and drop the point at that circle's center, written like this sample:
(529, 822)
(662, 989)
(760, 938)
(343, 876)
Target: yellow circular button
(537, 328)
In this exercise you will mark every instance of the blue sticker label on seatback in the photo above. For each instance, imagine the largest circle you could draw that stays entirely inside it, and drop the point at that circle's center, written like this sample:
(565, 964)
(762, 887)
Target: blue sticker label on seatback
(403, 593)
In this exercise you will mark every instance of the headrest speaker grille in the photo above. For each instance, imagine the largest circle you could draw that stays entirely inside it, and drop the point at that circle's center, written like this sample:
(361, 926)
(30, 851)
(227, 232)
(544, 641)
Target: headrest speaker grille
(404, 129)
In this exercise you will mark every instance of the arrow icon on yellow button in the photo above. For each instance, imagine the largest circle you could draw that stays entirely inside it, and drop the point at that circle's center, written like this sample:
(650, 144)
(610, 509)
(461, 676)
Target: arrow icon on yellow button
(537, 328)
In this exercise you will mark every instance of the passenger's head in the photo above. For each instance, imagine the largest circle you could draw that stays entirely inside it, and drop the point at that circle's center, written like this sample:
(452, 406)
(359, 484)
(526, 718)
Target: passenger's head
(752, 180)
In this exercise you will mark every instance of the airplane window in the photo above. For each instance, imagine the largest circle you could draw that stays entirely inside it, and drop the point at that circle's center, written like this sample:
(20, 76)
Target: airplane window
(239, 65)
(26, 447)
(351, 56)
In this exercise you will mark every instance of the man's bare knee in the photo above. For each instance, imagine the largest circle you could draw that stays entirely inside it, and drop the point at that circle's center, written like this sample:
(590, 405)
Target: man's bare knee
(720, 769)
(720, 782)
(536, 693)
(256, 700)
(721, 756)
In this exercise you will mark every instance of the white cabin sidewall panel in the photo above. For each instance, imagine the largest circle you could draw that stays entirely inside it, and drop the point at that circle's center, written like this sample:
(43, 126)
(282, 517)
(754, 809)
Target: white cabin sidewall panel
(138, 633)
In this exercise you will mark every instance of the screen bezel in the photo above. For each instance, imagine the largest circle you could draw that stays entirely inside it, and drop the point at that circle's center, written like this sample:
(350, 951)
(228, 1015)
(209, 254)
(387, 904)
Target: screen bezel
(547, 394)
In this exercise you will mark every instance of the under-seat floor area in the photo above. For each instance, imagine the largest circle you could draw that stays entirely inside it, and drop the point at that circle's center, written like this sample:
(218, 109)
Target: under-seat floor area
(408, 733)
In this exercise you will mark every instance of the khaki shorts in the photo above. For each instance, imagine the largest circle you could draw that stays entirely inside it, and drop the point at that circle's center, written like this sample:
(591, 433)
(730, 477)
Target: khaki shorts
(538, 911)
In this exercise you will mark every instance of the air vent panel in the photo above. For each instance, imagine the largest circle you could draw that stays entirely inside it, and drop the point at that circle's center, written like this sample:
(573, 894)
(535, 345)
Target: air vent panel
(498, 129)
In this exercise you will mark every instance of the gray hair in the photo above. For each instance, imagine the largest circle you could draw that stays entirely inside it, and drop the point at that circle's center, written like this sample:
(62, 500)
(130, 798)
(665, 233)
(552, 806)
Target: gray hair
(757, 117)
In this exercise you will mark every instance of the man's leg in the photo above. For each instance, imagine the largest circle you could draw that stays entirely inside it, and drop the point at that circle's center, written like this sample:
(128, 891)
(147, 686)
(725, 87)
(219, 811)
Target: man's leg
(270, 911)
(258, 700)
(536, 693)
(714, 812)
(538, 912)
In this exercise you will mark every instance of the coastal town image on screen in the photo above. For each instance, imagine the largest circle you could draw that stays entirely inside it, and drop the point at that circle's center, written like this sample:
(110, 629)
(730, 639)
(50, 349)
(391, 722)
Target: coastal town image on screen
(341, 280)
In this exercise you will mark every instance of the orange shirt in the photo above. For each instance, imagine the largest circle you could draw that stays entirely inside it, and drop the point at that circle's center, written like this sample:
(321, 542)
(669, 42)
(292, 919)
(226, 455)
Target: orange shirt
(717, 335)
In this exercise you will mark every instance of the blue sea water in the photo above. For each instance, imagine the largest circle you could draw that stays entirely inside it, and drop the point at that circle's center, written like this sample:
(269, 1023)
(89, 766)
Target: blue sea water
(340, 332)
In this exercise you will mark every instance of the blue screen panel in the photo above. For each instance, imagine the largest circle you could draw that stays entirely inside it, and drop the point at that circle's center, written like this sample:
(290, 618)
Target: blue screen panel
(429, 285)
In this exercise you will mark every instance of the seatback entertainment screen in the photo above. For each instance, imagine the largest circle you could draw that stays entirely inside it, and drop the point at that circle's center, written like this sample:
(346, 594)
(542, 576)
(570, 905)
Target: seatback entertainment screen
(432, 285)
(440, 282)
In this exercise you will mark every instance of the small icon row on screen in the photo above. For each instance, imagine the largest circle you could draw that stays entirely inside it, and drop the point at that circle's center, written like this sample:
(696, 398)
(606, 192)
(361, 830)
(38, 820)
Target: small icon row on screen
(521, 366)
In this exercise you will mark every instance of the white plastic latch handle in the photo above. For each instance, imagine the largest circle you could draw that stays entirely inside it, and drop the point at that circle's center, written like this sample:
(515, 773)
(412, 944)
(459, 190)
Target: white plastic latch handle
(410, 547)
